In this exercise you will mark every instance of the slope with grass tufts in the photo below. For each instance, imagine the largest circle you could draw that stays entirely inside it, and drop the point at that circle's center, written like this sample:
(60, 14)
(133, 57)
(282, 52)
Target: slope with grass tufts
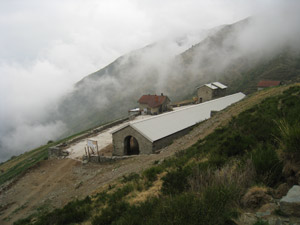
(205, 183)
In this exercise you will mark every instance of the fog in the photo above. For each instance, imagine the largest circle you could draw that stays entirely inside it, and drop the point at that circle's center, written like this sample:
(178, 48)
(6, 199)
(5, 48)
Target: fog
(45, 47)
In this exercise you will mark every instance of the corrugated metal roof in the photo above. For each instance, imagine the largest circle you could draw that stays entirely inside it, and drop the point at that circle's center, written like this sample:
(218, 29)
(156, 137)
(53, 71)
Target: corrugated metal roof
(214, 85)
(163, 125)
(219, 85)
(211, 86)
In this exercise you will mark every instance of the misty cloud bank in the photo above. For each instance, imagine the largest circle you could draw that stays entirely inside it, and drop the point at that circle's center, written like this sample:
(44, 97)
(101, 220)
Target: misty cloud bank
(39, 64)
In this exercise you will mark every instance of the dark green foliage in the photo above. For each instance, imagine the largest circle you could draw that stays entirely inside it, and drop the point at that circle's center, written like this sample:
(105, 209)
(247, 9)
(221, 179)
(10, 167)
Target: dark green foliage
(235, 145)
(261, 222)
(176, 181)
(267, 165)
(139, 214)
(151, 173)
(102, 197)
(290, 138)
(131, 177)
(120, 193)
(74, 212)
(23, 221)
(217, 202)
(216, 160)
(111, 213)
(215, 207)
(182, 157)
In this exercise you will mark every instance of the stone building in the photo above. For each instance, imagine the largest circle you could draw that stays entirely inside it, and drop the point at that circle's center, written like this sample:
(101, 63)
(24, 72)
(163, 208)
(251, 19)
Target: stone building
(154, 104)
(149, 135)
(267, 83)
(210, 91)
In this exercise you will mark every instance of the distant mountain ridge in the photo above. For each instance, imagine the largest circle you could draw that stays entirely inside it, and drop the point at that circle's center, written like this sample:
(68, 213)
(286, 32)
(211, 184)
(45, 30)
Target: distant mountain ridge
(108, 93)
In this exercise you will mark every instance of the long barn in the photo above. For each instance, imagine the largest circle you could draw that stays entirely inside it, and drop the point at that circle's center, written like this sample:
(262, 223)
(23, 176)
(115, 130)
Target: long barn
(148, 135)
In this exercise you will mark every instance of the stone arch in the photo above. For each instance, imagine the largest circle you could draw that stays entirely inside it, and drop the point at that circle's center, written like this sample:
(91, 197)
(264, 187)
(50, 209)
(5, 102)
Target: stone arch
(131, 146)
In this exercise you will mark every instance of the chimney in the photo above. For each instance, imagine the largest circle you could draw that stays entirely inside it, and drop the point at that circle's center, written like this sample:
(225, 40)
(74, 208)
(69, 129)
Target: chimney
(162, 94)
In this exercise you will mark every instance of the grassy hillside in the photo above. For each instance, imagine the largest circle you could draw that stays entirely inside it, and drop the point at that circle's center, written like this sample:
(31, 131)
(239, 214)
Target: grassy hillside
(18, 165)
(205, 183)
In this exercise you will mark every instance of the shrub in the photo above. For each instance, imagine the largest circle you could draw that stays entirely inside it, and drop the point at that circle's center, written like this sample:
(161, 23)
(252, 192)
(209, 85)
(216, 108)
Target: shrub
(236, 178)
(235, 144)
(216, 160)
(218, 205)
(290, 137)
(102, 197)
(131, 177)
(261, 222)
(176, 181)
(74, 212)
(111, 213)
(151, 173)
(267, 165)
(120, 193)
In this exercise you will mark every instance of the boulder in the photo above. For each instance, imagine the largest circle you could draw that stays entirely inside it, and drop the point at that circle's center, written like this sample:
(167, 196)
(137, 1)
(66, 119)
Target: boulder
(290, 204)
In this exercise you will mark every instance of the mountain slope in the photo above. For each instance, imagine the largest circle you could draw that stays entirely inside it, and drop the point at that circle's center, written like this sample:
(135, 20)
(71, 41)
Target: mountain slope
(210, 154)
(224, 55)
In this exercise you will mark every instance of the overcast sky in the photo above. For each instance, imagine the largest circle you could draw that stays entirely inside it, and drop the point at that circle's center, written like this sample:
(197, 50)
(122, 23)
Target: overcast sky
(46, 46)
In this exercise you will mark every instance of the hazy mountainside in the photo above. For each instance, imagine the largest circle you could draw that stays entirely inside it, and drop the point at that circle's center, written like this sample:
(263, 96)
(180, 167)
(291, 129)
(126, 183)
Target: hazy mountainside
(224, 55)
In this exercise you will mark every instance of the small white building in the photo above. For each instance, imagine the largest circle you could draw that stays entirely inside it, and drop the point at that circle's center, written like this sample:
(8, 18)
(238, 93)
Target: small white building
(210, 91)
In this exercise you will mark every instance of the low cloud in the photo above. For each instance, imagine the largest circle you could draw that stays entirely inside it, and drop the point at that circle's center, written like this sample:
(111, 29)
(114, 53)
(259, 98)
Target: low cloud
(48, 46)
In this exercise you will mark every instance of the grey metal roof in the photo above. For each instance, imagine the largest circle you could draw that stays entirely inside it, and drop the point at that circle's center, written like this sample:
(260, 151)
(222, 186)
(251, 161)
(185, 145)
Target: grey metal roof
(163, 125)
(219, 85)
(214, 85)
(211, 86)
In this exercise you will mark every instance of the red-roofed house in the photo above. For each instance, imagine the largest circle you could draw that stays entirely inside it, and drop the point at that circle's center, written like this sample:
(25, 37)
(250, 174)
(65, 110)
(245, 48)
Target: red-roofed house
(267, 83)
(154, 104)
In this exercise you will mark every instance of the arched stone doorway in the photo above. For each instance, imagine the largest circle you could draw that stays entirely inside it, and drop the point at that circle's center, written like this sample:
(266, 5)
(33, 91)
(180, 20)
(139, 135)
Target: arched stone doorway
(131, 146)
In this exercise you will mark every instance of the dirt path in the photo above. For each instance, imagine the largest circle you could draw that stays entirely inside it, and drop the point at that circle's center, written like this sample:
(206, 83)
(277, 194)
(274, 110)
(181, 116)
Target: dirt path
(55, 182)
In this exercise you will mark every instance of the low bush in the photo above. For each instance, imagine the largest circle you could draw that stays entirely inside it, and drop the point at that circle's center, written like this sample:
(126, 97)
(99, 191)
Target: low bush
(74, 212)
(217, 160)
(130, 177)
(175, 182)
(120, 193)
(290, 137)
(151, 173)
(261, 222)
(111, 213)
(235, 177)
(267, 165)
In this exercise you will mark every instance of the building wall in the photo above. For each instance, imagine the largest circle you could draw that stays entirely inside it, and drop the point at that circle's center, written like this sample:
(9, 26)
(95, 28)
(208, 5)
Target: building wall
(164, 107)
(155, 111)
(145, 146)
(143, 107)
(205, 93)
(208, 94)
(161, 143)
(219, 93)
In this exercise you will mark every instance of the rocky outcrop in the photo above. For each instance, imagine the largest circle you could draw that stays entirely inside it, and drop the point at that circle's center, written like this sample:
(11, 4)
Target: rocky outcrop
(290, 204)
